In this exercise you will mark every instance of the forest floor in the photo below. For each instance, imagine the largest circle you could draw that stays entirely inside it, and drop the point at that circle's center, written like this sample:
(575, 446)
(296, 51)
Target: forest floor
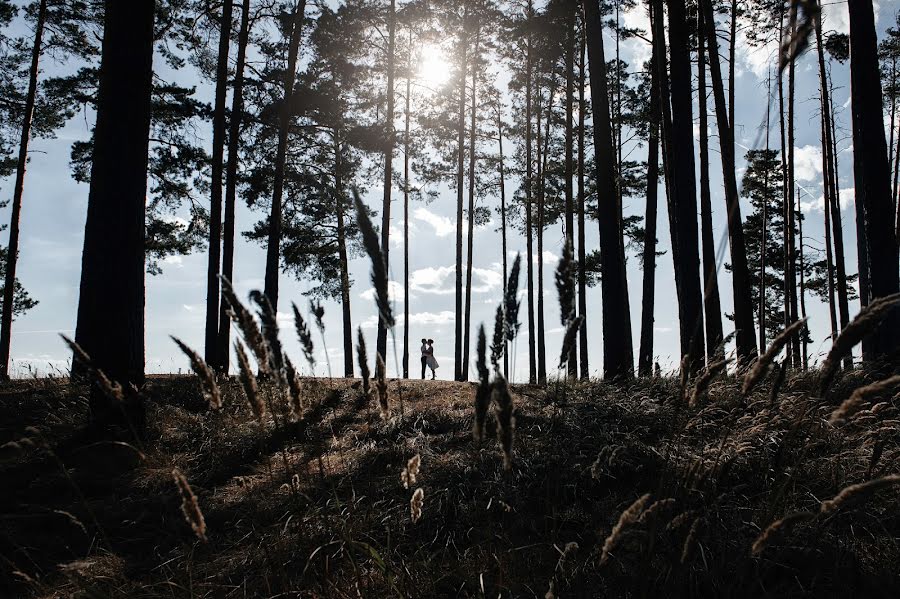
(315, 507)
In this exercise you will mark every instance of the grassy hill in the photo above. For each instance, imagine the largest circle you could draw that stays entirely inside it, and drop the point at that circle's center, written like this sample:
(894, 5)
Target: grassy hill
(613, 490)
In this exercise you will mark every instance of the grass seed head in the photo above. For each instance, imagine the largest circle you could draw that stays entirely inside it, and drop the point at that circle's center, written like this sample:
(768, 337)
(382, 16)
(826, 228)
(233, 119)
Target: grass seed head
(379, 267)
(506, 421)
(761, 366)
(363, 360)
(626, 519)
(856, 493)
(416, 504)
(248, 382)
(247, 325)
(189, 506)
(208, 379)
(381, 385)
(777, 528)
(408, 476)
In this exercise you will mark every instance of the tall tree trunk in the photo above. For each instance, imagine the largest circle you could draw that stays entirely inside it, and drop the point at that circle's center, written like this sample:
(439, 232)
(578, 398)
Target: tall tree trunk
(388, 166)
(829, 261)
(786, 158)
(711, 302)
(13, 250)
(690, 301)
(765, 224)
(471, 233)
(460, 173)
(872, 179)
(273, 250)
(406, 150)
(572, 362)
(503, 222)
(790, 276)
(529, 185)
(745, 334)
(829, 154)
(542, 193)
(215, 199)
(110, 326)
(234, 135)
(732, 44)
(618, 356)
(339, 204)
(805, 355)
(582, 279)
(645, 353)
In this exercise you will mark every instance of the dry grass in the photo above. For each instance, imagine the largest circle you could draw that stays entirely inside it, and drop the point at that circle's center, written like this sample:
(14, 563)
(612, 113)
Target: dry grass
(313, 507)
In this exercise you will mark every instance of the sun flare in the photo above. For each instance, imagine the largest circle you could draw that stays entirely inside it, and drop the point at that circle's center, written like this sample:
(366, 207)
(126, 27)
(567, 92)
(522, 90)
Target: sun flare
(434, 70)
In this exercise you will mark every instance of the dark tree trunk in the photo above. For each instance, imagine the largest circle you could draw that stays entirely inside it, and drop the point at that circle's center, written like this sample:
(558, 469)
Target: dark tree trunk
(471, 232)
(13, 249)
(745, 334)
(684, 190)
(765, 225)
(406, 150)
(732, 39)
(711, 302)
(872, 180)
(529, 184)
(648, 301)
(110, 326)
(582, 280)
(618, 357)
(339, 205)
(790, 250)
(829, 155)
(273, 250)
(572, 362)
(388, 168)
(805, 351)
(234, 134)
(542, 191)
(215, 199)
(460, 173)
(503, 223)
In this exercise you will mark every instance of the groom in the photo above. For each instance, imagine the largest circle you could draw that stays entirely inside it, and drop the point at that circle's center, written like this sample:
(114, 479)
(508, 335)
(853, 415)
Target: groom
(424, 356)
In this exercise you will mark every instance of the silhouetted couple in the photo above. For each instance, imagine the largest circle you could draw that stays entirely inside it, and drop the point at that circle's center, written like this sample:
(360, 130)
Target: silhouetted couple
(428, 360)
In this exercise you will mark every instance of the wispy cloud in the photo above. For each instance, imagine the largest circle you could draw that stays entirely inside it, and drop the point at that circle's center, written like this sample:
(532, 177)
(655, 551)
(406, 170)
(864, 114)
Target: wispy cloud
(443, 226)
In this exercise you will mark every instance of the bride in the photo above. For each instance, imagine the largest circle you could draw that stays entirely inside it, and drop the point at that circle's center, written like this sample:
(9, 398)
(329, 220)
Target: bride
(430, 361)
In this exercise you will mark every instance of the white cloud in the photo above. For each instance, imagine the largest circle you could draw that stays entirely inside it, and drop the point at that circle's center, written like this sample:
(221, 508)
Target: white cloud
(486, 280)
(808, 204)
(174, 260)
(395, 292)
(443, 317)
(443, 226)
(432, 280)
(808, 163)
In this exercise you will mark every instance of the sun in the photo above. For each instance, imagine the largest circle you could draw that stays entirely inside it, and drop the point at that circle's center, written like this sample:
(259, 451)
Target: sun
(434, 70)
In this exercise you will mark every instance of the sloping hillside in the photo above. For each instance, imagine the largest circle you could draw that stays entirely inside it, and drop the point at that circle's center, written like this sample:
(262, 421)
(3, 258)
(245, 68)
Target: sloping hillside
(612, 491)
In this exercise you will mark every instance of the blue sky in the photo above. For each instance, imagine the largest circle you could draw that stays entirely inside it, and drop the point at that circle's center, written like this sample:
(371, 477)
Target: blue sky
(54, 212)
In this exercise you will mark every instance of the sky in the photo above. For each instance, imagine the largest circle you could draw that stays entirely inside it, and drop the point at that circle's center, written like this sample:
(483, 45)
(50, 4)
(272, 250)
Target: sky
(55, 206)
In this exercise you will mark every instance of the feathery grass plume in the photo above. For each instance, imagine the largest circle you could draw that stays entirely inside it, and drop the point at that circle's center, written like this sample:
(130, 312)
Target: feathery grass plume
(483, 392)
(408, 476)
(415, 504)
(381, 385)
(569, 339)
(510, 302)
(269, 321)
(860, 395)
(79, 355)
(565, 284)
(363, 360)
(189, 506)
(626, 519)
(864, 323)
(687, 551)
(293, 381)
(498, 342)
(761, 366)
(797, 31)
(703, 381)
(210, 389)
(248, 382)
(111, 389)
(379, 267)
(243, 319)
(856, 493)
(303, 332)
(657, 507)
(506, 421)
(779, 382)
(318, 313)
(776, 528)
